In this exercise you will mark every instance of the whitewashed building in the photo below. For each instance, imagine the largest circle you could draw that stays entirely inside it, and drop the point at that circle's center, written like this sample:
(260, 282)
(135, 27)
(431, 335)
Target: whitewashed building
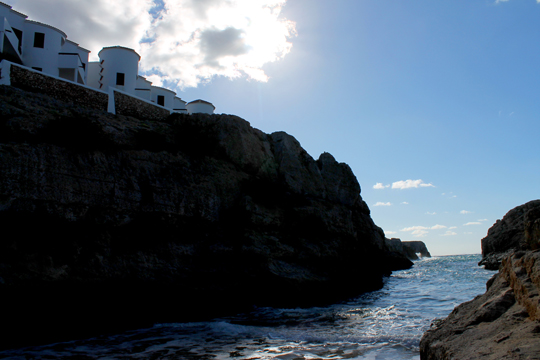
(118, 67)
(200, 106)
(41, 47)
(47, 49)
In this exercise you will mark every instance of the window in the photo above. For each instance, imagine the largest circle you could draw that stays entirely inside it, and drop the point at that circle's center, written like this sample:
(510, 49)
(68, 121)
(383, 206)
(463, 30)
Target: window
(18, 34)
(161, 100)
(120, 79)
(39, 40)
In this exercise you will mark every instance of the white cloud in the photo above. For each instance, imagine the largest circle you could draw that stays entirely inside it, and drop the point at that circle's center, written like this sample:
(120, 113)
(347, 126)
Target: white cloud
(465, 212)
(379, 186)
(405, 203)
(500, 1)
(452, 227)
(449, 233)
(390, 232)
(379, 203)
(472, 223)
(431, 213)
(184, 42)
(437, 227)
(417, 231)
(408, 184)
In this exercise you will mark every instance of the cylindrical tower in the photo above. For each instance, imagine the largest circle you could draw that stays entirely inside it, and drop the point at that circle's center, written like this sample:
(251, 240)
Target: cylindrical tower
(119, 68)
(200, 106)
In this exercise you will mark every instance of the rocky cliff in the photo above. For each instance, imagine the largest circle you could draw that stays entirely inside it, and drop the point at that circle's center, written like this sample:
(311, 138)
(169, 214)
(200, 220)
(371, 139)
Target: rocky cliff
(116, 221)
(405, 251)
(414, 248)
(504, 323)
(515, 231)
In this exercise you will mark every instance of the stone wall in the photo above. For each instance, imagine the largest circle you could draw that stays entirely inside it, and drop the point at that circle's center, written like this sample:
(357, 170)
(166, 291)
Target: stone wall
(58, 89)
(130, 106)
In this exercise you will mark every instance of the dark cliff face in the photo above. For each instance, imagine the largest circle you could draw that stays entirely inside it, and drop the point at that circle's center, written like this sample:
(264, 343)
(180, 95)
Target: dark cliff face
(112, 218)
(518, 230)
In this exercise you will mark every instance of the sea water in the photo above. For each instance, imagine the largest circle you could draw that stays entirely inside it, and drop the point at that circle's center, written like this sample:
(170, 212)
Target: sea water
(384, 324)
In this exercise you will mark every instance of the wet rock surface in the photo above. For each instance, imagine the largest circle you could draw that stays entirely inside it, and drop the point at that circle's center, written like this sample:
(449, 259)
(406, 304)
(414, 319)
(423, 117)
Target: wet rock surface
(111, 221)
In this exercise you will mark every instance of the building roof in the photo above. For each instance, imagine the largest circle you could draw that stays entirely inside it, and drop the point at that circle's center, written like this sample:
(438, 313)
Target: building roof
(202, 102)
(46, 25)
(119, 47)
(78, 46)
(16, 12)
(162, 88)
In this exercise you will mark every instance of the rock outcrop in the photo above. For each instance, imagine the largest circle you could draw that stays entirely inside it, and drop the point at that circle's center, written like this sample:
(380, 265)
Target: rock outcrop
(504, 323)
(112, 221)
(516, 231)
(400, 253)
(414, 248)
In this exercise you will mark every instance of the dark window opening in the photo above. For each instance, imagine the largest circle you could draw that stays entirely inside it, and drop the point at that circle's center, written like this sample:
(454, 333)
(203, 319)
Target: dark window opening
(161, 100)
(39, 40)
(120, 79)
(18, 34)
(37, 68)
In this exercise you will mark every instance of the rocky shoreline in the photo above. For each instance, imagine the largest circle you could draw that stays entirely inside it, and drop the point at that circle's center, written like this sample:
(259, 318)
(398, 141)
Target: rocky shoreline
(113, 221)
(503, 323)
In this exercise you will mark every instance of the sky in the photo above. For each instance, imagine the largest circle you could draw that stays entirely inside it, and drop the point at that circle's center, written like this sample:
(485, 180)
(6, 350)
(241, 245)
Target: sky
(435, 105)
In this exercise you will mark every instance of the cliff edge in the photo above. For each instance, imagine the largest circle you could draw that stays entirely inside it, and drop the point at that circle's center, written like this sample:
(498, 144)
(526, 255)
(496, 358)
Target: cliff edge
(503, 323)
(516, 231)
(111, 221)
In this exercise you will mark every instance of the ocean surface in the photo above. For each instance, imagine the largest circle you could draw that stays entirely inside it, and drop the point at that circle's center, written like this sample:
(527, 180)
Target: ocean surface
(385, 324)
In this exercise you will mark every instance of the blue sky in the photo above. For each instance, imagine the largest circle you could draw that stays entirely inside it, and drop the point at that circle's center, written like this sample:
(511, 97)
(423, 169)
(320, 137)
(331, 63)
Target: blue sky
(445, 94)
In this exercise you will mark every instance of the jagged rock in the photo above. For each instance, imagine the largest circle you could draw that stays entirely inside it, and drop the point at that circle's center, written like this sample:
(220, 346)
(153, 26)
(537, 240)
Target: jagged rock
(109, 220)
(400, 253)
(504, 323)
(518, 230)
(501, 324)
(395, 254)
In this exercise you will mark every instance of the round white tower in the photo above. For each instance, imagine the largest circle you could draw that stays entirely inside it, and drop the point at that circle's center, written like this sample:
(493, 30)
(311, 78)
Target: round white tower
(119, 68)
(200, 106)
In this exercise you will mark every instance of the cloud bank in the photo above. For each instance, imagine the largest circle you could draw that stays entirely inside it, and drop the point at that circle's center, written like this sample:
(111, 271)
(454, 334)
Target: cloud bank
(182, 42)
(409, 184)
(404, 184)
(421, 231)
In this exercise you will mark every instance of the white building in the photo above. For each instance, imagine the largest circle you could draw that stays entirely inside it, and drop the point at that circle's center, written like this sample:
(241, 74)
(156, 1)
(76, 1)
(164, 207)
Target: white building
(200, 106)
(45, 48)
(118, 67)
(40, 46)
